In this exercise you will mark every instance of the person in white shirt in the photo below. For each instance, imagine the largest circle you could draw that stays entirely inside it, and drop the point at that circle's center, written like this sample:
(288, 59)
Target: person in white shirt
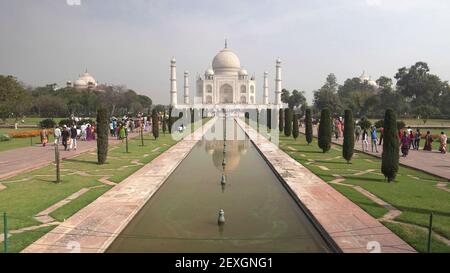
(57, 135)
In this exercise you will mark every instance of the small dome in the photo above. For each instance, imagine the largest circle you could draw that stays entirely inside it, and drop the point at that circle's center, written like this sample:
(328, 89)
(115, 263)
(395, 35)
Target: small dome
(209, 72)
(226, 61)
(373, 83)
(243, 72)
(87, 79)
(80, 82)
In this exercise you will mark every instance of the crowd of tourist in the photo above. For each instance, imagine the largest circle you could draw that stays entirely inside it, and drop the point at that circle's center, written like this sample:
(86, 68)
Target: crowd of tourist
(408, 139)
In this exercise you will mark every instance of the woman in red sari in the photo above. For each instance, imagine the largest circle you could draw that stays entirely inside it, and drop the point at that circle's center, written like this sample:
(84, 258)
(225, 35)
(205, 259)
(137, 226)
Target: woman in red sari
(443, 143)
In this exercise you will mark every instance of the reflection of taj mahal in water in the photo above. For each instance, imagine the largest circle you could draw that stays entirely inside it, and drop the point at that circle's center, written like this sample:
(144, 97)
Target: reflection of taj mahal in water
(225, 85)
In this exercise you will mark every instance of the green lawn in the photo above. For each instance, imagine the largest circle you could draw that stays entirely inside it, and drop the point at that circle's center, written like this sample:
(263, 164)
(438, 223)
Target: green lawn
(29, 193)
(30, 121)
(19, 142)
(412, 122)
(416, 198)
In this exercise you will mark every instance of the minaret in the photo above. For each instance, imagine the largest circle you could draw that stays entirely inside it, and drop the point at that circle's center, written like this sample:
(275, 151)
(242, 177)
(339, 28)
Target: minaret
(173, 82)
(278, 83)
(266, 89)
(186, 87)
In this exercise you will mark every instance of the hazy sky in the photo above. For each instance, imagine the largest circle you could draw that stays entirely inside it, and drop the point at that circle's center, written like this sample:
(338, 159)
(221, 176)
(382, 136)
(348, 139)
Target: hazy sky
(131, 42)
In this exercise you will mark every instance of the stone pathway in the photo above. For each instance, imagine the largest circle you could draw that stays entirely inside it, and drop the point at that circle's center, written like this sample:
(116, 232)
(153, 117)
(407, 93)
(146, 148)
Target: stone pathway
(16, 161)
(350, 227)
(97, 225)
(443, 186)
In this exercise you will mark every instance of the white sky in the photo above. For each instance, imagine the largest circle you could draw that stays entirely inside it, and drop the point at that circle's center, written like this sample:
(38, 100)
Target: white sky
(131, 42)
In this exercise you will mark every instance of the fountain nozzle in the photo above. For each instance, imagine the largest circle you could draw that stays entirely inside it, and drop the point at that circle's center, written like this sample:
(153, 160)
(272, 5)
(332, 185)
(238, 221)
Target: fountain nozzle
(221, 219)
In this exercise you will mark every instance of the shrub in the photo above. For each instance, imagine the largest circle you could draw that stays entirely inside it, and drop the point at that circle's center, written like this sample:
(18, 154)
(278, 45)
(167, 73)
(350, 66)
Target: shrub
(67, 122)
(281, 120)
(349, 136)
(287, 122)
(308, 126)
(400, 124)
(390, 156)
(379, 123)
(155, 124)
(4, 137)
(47, 123)
(295, 131)
(324, 135)
(269, 119)
(102, 135)
(364, 123)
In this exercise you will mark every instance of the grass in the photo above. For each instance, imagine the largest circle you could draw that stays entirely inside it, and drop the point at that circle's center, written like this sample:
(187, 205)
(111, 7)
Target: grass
(418, 238)
(431, 122)
(71, 208)
(416, 198)
(29, 121)
(17, 242)
(365, 203)
(32, 192)
(15, 143)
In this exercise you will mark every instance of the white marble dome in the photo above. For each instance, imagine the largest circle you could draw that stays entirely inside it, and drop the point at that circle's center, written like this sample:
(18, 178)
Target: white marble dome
(226, 62)
(209, 72)
(243, 72)
(80, 83)
(87, 78)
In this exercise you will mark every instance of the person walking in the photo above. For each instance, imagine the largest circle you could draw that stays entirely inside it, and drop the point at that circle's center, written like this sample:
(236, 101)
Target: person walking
(357, 132)
(65, 135)
(73, 137)
(411, 140)
(428, 142)
(381, 136)
(417, 137)
(57, 135)
(374, 137)
(443, 143)
(405, 142)
(44, 137)
(364, 139)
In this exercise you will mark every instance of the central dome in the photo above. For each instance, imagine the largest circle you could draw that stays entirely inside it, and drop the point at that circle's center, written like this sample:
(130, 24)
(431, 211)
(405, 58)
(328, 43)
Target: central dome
(226, 62)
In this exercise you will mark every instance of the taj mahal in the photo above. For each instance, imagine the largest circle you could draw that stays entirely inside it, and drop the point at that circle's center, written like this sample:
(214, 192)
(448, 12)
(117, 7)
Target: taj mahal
(225, 85)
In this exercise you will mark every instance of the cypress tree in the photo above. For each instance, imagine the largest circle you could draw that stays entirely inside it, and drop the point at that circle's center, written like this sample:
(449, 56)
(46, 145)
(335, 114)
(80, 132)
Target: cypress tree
(155, 124)
(295, 126)
(324, 135)
(390, 156)
(308, 126)
(281, 120)
(170, 120)
(287, 122)
(164, 122)
(269, 119)
(349, 136)
(102, 135)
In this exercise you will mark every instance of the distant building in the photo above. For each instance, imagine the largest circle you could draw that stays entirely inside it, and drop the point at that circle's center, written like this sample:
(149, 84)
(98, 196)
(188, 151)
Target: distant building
(84, 81)
(365, 78)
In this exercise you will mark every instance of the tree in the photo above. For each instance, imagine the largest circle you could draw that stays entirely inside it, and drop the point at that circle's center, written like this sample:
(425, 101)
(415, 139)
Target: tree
(155, 124)
(102, 135)
(324, 136)
(425, 112)
(390, 156)
(326, 96)
(164, 122)
(269, 119)
(349, 136)
(170, 120)
(287, 122)
(295, 131)
(296, 99)
(281, 120)
(308, 126)
(364, 123)
(14, 99)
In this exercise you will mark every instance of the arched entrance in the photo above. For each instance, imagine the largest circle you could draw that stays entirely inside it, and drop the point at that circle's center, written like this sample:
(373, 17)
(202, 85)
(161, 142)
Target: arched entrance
(226, 94)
